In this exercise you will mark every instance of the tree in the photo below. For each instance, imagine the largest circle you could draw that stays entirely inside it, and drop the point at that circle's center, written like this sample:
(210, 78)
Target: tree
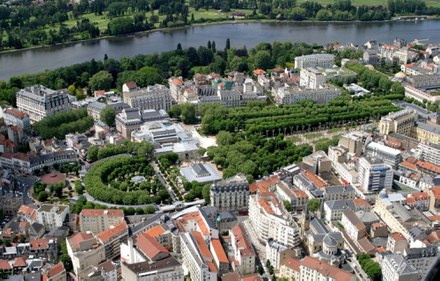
(79, 187)
(92, 153)
(314, 204)
(287, 205)
(101, 81)
(42, 196)
(150, 209)
(108, 115)
(263, 59)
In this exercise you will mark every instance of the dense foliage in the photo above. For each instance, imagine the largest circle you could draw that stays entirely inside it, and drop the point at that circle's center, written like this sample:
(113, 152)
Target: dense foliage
(371, 268)
(254, 155)
(97, 153)
(63, 123)
(109, 181)
(53, 22)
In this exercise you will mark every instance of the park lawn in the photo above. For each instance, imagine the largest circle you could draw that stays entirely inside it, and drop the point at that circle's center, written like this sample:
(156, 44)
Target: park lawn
(312, 136)
(433, 3)
(101, 21)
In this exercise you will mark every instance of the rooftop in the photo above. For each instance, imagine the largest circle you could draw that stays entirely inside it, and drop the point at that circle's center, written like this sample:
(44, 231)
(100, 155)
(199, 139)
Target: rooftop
(113, 231)
(101, 213)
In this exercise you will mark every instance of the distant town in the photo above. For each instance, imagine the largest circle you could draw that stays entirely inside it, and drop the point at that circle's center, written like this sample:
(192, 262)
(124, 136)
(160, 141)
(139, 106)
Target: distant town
(327, 168)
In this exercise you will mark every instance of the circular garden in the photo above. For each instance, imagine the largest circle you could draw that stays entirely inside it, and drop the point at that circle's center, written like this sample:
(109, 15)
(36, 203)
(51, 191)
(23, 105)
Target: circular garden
(111, 181)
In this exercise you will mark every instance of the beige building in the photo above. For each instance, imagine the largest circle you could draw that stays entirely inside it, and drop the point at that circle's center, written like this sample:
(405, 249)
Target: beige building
(99, 220)
(52, 216)
(166, 269)
(400, 122)
(84, 250)
(153, 97)
(426, 132)
(230, 194)
(354, 227)
(396, 243)
(38, 102)
(244, 254)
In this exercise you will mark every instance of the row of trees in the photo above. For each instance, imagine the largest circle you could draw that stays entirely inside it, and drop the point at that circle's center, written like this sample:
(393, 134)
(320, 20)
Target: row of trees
(253, 154)
(95, 153)
(370, 267)
(82, 203)
(97, 183)
(63, 123)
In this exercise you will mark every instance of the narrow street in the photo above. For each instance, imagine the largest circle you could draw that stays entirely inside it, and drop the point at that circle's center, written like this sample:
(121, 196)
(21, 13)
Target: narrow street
(164, 182)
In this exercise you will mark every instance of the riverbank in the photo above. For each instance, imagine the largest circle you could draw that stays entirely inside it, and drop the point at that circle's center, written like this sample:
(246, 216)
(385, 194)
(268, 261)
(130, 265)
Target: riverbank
(220, 22)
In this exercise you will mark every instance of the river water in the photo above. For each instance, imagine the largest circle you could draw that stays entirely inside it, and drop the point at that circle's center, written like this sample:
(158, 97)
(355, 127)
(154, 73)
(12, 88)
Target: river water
(240, 34)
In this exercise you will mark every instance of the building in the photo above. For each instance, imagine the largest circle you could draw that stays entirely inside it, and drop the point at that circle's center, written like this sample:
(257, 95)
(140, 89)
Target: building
(430, 152)
(354, 227)
(165, 269)
(370, 57)
(293, 94)
(244, 254)
(38, 102)
(112, 238)
(312, 269)
(221, 261)
(333, 209)
(196, 257)
(84, 250)
(374, 175)
(56, 273)
(201, 172)
(390, 156)
(131, 119)
(421, 258)
(316, 77)
(14, 117)
(96, 220)
(400, 122)
(426, 132)
(278, 253)
(269, 219)
(396, 268)
(396, 243)
(105, 271)
(316, 60)
(420, 95)
(153, 97)
(230, 194)
(52, 216)
(129, 87)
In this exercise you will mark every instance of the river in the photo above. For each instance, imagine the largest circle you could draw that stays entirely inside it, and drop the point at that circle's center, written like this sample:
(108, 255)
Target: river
(240, 34)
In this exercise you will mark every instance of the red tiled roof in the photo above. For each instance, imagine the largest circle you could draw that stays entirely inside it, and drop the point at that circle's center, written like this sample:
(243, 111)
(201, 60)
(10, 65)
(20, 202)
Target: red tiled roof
(242, 241)
(149, 246)
(4, 265)
(195, 216)
(77, 238)
(436, 192)
(55, 270)
(26, 211)
(259, 71)
(99, 93)
(409, 165)
(15, 112)
(361, 203)
(397, 236)
(20, 262)
(326, 269)
(39, 244)
(202, 246)
(101, 213)
(428, 166)
(219, 251)
(131, 84)
(320, 183)
(263, 203)
(300, 193)
(293, 264)
(112, 232)
(177, 81)
(263, 185)
(253, 277)
(155, 231)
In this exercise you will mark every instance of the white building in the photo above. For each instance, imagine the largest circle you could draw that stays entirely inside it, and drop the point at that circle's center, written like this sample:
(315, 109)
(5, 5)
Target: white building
(153, 97)
(292, 94)
(230, 194)
(270, 220)
(421, 258)
(321, 60)
(38, 102)
(166, 269)
(52, 216)
(244, 254)
(390, 156)
(354, 227)
(278, 253)
(374, 175)
(430, 152)
(14, 117)
(316, 77)
(396, 268)
(84, 250)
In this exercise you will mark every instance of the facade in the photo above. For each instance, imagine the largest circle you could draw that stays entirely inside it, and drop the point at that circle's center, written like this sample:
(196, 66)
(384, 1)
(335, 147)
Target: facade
(396, 243)
(278, 253)
(400, 122)
(196, 257)
(52, 216)
(99, 220)
(315, 77)
(374, 175)
(270, 220)
(333, 209)
(390, 156)
(112, 238)
(153, 97)
(38, 102)
(163, 270)
(293, 94)
(354, 227)
(231, 194)
(396, 268)
(430, 152)
(426, 132)
(422, 259)
(316, 60)
(420, 95)
(244, 254)
(131, 119)
(14, 117)
(84, 250)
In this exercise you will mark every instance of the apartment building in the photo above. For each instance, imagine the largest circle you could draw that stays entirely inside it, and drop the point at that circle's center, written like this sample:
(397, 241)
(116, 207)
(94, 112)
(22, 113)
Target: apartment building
(84, 250)
(38, 102)
(333, 209)
(244, 254)
(165, 269)
(316, 60)
(269, 219)
(293, 94)
(430, 152)
(421, 258)
(153, 97)
(353, 226)
(14, 117)
(277, 253)
(112, 238)
(390, 156)
(400, 122)
(131, 119)
(196, 257)
(426, 132)
(55, 273)
(396, 243)
(396, 268)
(374, 174)
(316, 77)
(52, 216)
(230, 194)
(95, 220)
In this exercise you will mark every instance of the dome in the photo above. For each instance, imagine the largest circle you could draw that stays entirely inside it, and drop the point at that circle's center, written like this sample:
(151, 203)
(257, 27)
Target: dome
(400, 75)
(329, 241)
